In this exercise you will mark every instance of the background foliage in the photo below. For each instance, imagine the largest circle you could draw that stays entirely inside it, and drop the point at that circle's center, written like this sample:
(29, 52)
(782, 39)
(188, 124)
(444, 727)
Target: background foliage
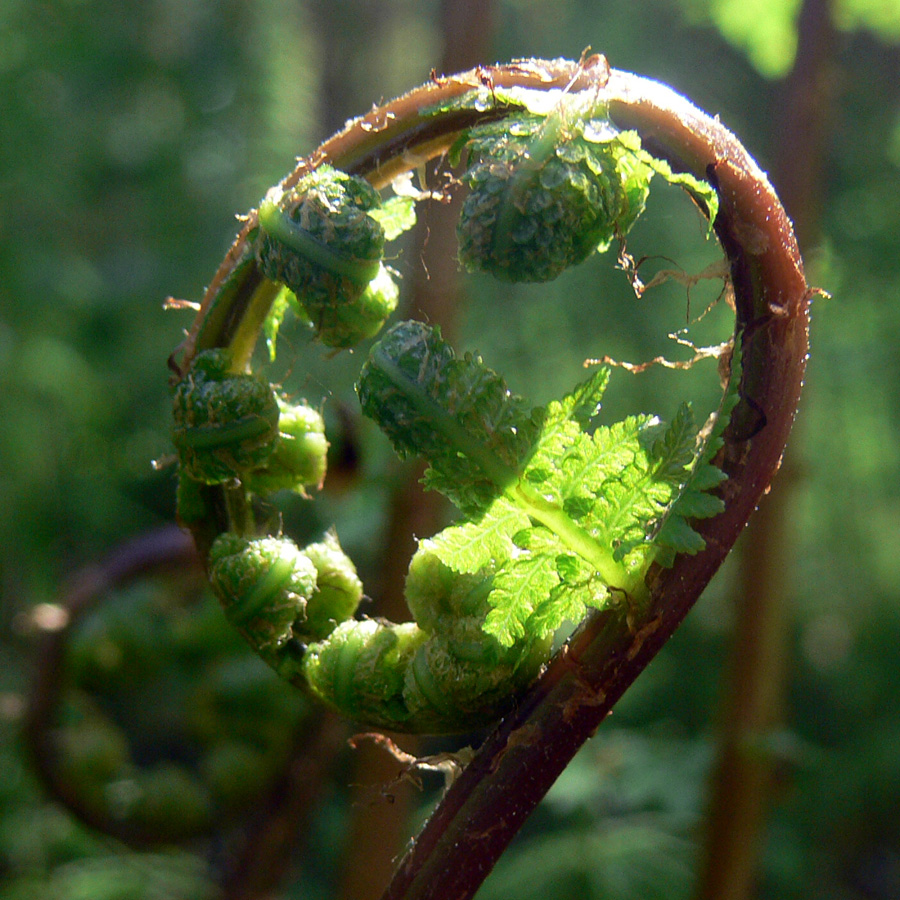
(131, 135)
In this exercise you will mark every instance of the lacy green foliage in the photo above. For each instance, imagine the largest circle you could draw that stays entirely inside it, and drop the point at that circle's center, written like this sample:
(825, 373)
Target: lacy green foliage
(396, 215)
(564, 516)
(225, 423)
(694, 500)
(319, 240)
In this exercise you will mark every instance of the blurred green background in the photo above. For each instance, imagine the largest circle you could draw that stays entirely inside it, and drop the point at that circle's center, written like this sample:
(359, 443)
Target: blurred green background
(131, 133)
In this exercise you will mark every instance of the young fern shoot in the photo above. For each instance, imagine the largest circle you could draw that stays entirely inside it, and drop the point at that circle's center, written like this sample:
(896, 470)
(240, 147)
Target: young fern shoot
(559, 514)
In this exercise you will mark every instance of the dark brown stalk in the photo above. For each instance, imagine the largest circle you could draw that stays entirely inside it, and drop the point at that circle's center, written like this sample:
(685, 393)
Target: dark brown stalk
(519, 762)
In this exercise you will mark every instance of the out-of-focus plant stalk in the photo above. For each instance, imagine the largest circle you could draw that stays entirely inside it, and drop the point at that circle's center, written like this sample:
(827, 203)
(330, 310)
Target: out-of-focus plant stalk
(746, 771)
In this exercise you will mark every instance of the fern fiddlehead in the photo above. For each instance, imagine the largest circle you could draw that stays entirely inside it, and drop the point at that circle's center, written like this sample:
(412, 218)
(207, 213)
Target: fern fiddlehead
(319, 240)
(545, 193)
(560, 516)
(224, 424)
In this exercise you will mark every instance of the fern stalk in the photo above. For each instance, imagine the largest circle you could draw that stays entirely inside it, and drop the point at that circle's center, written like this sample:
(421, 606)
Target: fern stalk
(520, 760)
(745, 779)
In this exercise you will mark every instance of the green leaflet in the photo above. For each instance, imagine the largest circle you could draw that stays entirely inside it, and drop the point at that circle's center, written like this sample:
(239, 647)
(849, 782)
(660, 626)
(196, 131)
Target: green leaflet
(455, 412)
(517, 587)
(470, 547)
(693, 501)
(614, 486)
(582, 404)
(396, 215)
(560, 514)
(700, 190)
(540, 587)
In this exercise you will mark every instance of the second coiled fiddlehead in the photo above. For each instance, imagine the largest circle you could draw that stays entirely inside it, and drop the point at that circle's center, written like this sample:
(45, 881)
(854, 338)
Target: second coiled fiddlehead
(319, 240)
(560, 515)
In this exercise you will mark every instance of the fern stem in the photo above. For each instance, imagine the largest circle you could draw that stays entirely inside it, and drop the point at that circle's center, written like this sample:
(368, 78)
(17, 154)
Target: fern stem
(573, 536)
(247, 332)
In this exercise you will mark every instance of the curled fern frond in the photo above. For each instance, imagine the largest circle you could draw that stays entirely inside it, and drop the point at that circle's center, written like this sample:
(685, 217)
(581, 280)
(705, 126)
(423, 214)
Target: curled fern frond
(438, 674)
(455, 412)
(319, 240)
(545, 193)
(560, 513)
(281, 596)
(265, 586)
(224, 423)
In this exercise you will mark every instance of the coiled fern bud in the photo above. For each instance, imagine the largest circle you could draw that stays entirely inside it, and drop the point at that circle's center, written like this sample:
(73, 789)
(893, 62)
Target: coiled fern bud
(438, 674)
(264, 586)
(280, 597)
(225, 424)
(298, 459)
(544, 194)
(338, 588)
(461, 672)
(319, 240)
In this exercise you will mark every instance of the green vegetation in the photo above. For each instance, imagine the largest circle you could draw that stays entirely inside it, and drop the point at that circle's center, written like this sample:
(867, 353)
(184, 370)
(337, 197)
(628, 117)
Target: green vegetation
(134, 132)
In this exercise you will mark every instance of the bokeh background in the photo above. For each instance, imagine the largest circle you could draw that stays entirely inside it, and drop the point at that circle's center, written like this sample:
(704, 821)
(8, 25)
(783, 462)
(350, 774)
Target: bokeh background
(132, 133)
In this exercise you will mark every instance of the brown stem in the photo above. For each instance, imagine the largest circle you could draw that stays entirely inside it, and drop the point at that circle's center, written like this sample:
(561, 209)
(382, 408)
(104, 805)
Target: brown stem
(520, 761)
